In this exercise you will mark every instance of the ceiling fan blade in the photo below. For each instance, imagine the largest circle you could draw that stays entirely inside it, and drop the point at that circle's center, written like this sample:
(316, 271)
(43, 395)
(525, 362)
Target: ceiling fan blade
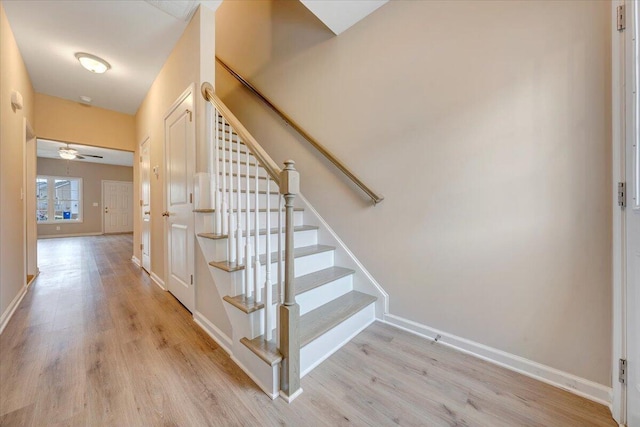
(78, 156)
(92, 155)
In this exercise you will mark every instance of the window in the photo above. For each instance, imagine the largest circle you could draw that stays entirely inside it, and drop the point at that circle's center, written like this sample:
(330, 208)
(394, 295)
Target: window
(59, 199)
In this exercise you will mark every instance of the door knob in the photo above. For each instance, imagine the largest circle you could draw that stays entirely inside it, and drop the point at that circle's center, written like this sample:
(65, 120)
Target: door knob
(165, 213)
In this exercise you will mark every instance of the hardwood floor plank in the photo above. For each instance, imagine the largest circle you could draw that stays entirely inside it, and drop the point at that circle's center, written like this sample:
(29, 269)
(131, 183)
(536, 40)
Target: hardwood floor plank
(96, 343)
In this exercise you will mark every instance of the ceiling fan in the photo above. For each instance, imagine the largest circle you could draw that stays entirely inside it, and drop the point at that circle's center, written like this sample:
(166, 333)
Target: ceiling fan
(69, 153)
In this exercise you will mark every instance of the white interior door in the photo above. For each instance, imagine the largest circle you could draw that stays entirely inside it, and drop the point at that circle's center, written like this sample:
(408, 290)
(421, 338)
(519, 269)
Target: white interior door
(180, 167)
(145, 205)
(632, 221)
(117, 201)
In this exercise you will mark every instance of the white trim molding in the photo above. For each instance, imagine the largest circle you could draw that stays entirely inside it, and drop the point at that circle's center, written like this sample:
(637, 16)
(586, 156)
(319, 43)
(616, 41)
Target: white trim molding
(157, 280)
(8, 313)
(212, 330)
(53, 236)
(135, 260)
(564, 380)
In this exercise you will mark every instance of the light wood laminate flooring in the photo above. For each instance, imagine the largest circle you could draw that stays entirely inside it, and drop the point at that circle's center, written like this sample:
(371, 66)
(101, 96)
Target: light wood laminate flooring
(96, 343)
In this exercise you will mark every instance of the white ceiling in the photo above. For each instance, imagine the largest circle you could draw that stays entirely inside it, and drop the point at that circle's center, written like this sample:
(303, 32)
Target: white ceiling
(339, 15)
(49, 149)
(134, 36)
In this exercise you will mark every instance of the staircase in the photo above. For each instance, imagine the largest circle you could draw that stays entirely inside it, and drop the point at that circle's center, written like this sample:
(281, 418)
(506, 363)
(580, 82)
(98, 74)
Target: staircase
(291, 290)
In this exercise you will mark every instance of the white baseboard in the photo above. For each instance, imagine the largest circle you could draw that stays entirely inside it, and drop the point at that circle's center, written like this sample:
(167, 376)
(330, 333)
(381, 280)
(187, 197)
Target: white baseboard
(136, 261)
(255, 379)
(157, 280)
(381, 293)
(564, 380)
(212, 330)
(54, 236)
(8, 313)
(291, 398)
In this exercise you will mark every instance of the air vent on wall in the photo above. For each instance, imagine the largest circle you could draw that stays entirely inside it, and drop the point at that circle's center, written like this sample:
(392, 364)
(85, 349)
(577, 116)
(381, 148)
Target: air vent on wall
(181, 9)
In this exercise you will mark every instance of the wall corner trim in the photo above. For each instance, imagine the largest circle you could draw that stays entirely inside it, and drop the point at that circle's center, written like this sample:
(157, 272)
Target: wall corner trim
(8, 313)
(157, 280)
(580, 386)
(135, 260)
(212, 330)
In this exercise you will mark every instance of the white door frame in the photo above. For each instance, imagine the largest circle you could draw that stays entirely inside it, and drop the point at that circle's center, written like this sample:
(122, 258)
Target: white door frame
(623, 127)
(147, 140)
(190, 91)
(28, 136)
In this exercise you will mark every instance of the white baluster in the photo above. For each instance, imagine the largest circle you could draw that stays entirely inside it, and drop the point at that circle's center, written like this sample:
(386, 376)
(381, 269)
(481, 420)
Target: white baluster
(280, 251)
(279, 266)
(217, 225)
(231, 238)
(268, 297)
(248, 267)
(238, 204)
(256, 240)
(225, 200)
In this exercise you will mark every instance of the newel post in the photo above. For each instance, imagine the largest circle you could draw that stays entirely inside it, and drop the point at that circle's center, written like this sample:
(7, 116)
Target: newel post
(289, 310)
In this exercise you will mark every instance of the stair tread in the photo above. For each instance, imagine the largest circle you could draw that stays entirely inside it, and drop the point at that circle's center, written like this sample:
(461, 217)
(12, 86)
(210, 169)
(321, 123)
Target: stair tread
(262, 232)
(324, 318)
(318, 278)
(244, 210)
(299, 252)
(313, 324)
(265, 350)
(248, 305)
(227, 266)
(302, 283)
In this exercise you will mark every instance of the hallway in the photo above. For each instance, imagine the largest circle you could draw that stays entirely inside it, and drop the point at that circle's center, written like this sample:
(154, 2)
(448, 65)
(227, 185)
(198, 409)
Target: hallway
(96, 342)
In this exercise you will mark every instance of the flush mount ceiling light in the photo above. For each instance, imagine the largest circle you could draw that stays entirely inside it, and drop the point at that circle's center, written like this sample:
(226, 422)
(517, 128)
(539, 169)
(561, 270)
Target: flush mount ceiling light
(93, 63)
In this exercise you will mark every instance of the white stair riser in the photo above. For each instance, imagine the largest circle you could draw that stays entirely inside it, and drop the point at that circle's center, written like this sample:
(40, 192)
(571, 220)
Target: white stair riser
(303, 265)
(243, 167)
(219, 247)
(209, 218)
(262, 199)
(324, 346)
(262, 184)
(243, 155)
(321, 295)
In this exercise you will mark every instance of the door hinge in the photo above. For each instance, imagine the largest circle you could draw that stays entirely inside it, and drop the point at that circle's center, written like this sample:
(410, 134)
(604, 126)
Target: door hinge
(190, 197)
(622, 371)
(192, 279)
(622, 195)
(620, 18)
(141, 246)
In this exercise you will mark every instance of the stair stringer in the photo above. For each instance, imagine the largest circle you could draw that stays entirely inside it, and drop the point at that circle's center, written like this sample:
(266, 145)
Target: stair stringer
(363, 281)
(242, 324)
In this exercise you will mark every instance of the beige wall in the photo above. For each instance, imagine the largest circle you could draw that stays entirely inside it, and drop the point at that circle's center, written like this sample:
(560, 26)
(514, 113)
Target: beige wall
(92, 175)
(13, 76)
(490, 140)
(68, 121)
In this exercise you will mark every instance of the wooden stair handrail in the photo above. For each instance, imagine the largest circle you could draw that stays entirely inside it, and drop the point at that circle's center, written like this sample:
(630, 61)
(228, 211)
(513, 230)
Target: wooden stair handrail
(256, 149)
(376, 198)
